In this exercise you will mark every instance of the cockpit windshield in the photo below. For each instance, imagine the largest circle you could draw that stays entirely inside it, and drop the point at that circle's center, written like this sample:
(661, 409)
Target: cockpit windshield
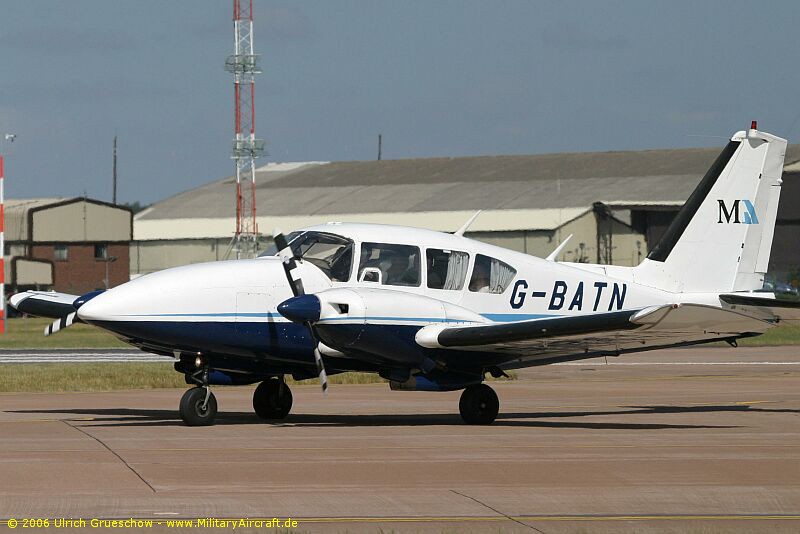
(332, 253)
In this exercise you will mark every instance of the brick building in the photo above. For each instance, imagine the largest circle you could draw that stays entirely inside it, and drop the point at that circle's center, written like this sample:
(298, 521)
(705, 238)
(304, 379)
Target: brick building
(69, 245)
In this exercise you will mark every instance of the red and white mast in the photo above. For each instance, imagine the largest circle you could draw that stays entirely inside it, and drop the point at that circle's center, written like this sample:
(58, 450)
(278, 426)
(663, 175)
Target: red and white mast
(2, 253)
(243, 64)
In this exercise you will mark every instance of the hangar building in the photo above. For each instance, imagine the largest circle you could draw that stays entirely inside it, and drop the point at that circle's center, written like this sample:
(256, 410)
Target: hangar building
(73, 245)
(616, 204)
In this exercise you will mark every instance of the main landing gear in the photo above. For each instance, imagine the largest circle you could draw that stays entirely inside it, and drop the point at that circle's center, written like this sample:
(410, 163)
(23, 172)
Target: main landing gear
(478, 405)
(272, 399)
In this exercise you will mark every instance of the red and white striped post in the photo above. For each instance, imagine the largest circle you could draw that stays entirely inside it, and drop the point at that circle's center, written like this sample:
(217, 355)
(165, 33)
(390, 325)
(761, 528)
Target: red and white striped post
(2, 254)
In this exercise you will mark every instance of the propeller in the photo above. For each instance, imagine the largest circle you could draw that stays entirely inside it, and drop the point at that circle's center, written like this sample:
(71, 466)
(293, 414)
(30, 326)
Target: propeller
(60, 324)
(70, 317)
(296, 284)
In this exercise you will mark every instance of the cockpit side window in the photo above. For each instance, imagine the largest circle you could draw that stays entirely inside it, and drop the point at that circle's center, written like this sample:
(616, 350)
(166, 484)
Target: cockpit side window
(272, 250)
(332, 253)
(399, 265)
(490, 275)
(447, 269)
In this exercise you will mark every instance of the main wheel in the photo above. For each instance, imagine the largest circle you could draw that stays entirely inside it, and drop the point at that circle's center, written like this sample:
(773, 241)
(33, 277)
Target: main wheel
(478, 405)
(272, 399)
(194, 409)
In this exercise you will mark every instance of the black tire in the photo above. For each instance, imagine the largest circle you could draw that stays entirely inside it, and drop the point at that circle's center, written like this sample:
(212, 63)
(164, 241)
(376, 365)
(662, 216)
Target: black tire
(272, 399)
(479, 405)
(191, 407)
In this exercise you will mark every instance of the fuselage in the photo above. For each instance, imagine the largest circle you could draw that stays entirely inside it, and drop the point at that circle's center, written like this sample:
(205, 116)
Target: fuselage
(408, 277)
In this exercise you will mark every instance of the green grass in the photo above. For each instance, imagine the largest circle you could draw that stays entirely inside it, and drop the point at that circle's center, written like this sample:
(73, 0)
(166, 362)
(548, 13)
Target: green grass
(54, 377)
(57, 377)
(28, 333)
(781, 335)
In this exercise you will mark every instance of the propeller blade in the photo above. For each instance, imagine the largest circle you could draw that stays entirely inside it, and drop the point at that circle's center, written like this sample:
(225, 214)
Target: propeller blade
(296, 283)
(323, 376)
(60, 324)
(289, 263)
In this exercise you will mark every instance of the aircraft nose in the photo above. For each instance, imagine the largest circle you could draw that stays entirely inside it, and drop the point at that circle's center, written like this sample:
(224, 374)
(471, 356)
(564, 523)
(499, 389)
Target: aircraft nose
(301, 309)
(83, 299)
(100, 307)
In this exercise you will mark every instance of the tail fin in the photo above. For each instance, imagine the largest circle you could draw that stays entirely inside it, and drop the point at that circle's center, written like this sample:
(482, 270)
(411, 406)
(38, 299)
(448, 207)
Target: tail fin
(721, 238)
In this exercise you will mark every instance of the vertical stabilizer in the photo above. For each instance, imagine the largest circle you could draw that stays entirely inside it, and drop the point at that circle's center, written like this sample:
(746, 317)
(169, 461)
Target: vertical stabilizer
(722, 236)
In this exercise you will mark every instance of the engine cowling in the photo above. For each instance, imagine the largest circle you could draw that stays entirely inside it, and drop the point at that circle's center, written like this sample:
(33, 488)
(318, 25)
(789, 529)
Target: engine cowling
(378, 324)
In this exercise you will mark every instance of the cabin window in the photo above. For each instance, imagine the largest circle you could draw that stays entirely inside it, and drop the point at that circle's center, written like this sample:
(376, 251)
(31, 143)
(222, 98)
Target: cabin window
(60, 252)
(447, 269)
(332, 253)
(490, 275)
(388, 264)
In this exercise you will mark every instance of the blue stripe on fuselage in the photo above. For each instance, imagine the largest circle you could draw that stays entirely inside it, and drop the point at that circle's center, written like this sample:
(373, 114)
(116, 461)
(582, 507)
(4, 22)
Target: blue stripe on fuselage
(512, 317)
(497, 317)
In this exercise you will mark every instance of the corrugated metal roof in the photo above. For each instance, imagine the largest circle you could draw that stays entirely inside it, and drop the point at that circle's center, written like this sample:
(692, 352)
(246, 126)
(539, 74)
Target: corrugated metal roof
(344, 190)
(443, 221)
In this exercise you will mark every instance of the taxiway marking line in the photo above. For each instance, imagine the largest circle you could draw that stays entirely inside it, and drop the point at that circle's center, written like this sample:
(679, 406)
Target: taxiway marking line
(496, 518)
(523, 518)
(670, 378)
(437, 447)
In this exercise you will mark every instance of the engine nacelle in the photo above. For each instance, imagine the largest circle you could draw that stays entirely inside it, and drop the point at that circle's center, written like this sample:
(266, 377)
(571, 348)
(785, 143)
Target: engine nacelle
(382, 322)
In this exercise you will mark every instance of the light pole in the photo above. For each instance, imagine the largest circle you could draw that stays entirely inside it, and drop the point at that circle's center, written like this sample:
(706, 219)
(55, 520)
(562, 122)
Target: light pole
(110, 259)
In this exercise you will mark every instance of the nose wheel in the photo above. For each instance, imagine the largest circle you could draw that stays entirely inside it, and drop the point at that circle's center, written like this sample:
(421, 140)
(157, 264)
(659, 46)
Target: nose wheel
(198, 407)
(479, 405)
(272, 399)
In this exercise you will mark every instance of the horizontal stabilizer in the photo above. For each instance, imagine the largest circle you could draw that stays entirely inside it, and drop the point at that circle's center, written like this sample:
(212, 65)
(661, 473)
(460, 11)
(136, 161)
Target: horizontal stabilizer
(692, 318)
(779, 310)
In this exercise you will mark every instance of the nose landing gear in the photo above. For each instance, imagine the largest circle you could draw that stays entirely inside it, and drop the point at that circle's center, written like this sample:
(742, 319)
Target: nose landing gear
(198, 405)
(478, 405)
(272, 399)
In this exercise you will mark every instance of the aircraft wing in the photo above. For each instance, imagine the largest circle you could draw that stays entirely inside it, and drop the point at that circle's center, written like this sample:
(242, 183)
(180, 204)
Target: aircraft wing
(543, 341)
(44, 303)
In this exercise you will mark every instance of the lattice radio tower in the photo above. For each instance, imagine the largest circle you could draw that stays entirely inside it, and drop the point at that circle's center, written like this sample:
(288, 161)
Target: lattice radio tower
(246, 148)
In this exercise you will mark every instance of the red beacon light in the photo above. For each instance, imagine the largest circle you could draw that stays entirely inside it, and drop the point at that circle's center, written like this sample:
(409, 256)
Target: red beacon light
(754, 125)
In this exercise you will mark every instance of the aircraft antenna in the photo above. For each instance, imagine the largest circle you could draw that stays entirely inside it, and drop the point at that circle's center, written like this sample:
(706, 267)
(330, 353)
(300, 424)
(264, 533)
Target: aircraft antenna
(243, 64)
(114, 175)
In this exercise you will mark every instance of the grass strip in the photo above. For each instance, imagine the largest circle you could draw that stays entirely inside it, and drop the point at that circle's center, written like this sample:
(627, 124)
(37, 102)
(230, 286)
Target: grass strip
(28, 333)
(62, 377)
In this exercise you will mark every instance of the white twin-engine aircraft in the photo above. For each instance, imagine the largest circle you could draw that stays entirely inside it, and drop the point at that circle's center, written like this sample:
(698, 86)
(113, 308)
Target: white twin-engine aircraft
(433, 311)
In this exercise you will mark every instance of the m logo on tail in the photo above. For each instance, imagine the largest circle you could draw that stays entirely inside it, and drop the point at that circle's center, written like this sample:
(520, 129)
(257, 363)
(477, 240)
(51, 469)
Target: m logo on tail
(733, 214)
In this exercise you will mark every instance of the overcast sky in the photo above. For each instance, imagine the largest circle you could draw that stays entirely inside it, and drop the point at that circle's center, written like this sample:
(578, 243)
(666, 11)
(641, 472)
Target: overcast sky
(437, 78)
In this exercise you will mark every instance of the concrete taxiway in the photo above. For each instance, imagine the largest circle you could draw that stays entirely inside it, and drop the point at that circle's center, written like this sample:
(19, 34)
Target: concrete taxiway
(701, 440)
